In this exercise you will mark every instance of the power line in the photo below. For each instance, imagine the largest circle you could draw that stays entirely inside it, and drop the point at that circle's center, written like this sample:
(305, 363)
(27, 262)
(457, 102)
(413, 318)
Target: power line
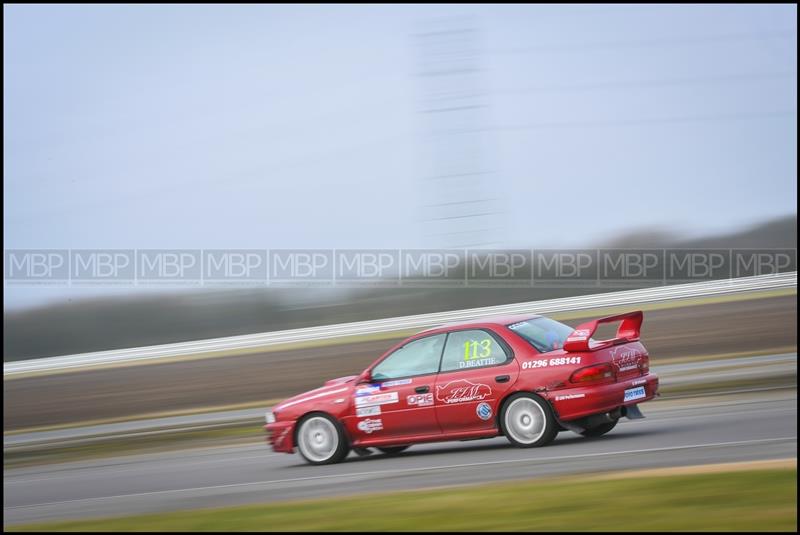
(723, 78)
(648, 43)
(636, 122)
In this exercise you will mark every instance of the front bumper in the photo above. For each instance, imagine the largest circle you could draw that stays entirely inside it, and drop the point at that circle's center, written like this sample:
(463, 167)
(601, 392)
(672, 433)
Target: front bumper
(574, 403)
(280, 435)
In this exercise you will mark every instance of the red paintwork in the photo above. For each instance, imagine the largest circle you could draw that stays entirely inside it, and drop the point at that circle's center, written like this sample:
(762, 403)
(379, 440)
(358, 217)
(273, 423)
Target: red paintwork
(403, 423)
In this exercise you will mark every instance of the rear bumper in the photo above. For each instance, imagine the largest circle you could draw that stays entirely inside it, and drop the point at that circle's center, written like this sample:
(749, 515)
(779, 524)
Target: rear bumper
(280, 435)
(574, 403)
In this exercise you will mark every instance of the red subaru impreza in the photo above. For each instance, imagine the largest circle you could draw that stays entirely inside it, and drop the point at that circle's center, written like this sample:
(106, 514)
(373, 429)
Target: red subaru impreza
(524, 377)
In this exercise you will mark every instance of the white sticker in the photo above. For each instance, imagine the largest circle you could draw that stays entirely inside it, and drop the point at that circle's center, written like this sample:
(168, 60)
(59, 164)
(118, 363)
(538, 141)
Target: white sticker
(374, 410)
(570, 396)
(376, 399)
(398, 382)
(370, 425)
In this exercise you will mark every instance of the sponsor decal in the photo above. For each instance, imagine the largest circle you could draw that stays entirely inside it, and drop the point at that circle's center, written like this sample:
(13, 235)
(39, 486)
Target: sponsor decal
(634, 393)
(625, 358)
(398, 382)
(517, 325)
(370, 424)
(639, 382)
(578, 335)
(420, 400)
(376, 399)
(476, 363)
(461, 391)
(570, 396)
(367, 390)
(374, 410)
(544, 363)
(484, 411)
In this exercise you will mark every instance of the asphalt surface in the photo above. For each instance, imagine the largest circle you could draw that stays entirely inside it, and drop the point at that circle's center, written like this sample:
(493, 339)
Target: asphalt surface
(675, 433)
(764, 324)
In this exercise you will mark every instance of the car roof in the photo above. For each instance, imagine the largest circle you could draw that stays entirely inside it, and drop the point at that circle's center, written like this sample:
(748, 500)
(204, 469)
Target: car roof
(491, 320)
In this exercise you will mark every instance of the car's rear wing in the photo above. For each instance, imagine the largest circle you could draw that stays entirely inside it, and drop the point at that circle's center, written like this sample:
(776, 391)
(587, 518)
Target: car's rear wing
(628, 331)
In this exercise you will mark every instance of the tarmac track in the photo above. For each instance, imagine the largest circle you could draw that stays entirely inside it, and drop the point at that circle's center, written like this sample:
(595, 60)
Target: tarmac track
(675, 433)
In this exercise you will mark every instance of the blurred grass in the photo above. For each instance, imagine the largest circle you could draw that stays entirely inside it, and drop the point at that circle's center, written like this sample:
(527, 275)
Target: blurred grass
(168, 440)
(754, 500)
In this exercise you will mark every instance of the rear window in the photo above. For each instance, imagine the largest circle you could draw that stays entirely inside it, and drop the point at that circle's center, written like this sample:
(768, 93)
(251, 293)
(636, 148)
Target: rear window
(542, 333)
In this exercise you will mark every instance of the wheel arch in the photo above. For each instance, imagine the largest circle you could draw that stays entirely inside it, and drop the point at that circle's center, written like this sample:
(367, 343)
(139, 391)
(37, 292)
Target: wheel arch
(309, 414)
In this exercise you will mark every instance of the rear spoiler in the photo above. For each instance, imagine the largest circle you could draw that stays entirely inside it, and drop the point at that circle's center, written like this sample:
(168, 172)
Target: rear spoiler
(628, 331)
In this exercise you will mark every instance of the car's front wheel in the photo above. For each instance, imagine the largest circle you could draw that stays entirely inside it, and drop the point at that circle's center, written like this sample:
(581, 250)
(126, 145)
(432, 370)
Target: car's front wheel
(527, 421)
(321, 439)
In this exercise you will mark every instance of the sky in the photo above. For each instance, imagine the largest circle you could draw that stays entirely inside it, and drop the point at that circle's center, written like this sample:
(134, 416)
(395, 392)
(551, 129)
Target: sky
(290, 126)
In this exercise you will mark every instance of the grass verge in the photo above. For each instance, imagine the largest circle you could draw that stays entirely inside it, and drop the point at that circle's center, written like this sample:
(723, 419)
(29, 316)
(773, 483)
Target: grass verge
(749, 500)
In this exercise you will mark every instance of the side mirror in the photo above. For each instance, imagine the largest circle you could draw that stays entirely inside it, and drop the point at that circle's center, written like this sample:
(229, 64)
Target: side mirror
(365, 377)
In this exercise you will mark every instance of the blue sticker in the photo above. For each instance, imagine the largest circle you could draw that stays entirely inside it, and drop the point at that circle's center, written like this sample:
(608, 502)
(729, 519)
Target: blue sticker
(484, 411)
(368, 390)
(397, 382)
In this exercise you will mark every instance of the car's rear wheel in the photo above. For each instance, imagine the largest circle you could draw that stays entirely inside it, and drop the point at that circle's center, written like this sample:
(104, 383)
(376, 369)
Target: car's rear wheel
(599, 430)
(393, 450)
(527, 421)
(321, 439)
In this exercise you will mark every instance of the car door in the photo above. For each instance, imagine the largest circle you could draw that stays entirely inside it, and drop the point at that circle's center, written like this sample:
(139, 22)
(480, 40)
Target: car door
(398, 403)
(477, 369)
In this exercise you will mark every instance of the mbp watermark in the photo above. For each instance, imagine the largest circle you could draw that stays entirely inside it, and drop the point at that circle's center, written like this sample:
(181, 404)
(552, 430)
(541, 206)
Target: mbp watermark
(301, 267)
(750, 262)
(238, 267)
(372, 267)
(101, 267)
(430, 267)
(36, 266)
(565, 267)
(631, 267)
(180, 267)
(505, 268)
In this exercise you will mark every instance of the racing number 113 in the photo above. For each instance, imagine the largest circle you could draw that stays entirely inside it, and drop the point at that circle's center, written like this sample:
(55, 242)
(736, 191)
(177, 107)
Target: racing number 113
(471, 349)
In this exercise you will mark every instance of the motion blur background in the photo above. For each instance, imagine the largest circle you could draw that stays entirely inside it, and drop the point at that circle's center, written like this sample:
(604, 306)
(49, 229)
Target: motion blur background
(435, 128)
(299, 127)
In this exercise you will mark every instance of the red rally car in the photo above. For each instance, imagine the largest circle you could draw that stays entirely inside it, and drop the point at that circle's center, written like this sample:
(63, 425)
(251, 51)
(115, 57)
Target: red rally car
(524, 377)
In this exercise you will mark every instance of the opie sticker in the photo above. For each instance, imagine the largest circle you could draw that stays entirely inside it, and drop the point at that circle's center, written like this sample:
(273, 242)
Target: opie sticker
(420, 400)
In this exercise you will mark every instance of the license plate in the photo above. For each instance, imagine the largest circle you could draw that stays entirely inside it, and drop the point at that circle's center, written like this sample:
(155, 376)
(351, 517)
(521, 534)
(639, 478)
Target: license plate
(634, 393)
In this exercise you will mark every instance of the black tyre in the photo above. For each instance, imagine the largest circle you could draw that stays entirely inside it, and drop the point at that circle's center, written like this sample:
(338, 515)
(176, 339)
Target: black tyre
(321, 439)
(527, 421)
(599, 430)
(393, 450)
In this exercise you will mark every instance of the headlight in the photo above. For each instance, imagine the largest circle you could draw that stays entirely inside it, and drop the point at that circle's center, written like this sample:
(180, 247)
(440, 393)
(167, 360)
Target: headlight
(270, 417)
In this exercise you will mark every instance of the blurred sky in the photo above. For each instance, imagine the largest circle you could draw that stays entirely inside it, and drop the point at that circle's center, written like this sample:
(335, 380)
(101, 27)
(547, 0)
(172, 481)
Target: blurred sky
(300, 126)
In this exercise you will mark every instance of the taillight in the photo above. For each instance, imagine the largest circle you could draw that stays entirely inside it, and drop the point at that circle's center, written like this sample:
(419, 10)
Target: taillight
(598, 372)
(644, 366)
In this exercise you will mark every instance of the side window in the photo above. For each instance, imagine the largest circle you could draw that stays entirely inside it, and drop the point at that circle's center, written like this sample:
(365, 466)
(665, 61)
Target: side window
(419, 357)
(472, 349)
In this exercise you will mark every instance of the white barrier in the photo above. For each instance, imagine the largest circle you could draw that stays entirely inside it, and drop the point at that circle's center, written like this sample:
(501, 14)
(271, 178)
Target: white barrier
(627, 297)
